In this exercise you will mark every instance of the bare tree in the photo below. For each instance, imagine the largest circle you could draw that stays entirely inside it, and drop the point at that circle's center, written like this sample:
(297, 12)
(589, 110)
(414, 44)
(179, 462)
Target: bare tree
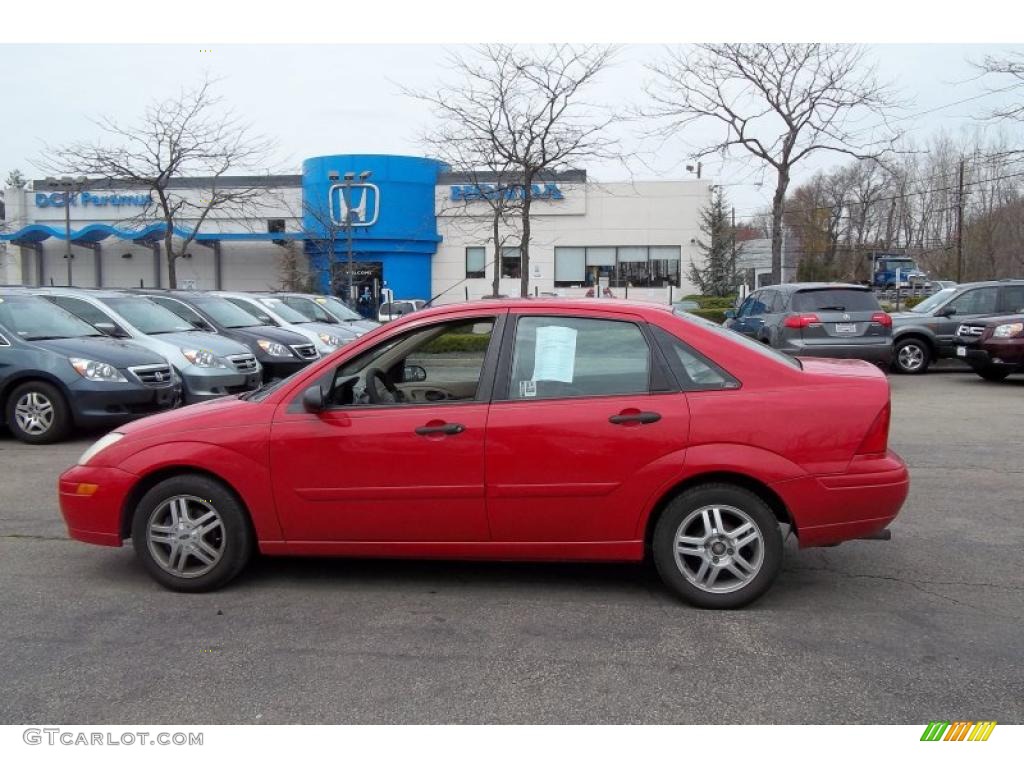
(523, 110)
(1009, 67)
(15, 178)
(777, 102)
(186, 136)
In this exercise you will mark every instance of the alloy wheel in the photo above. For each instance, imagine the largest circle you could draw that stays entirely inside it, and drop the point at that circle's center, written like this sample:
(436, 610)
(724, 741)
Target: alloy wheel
(718, 549)
(911, 357)
(34, 413)
(185, 536)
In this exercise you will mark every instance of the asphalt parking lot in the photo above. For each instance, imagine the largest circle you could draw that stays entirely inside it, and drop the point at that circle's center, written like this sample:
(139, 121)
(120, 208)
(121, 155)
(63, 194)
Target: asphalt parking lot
(926, 626)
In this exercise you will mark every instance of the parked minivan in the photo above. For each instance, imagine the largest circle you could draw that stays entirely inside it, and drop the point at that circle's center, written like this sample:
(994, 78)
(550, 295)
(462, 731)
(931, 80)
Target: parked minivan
(58, 372)
(209, 365)
(327, 337)
(328, 309)
(817, 320)
(927, 332)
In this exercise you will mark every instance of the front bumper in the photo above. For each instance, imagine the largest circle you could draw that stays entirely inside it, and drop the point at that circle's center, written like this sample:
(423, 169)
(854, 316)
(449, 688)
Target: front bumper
(880, 353)
(996, 354)
(102, 404)
(828, 509)
(200, 384)
(92, 501)
(273, 370)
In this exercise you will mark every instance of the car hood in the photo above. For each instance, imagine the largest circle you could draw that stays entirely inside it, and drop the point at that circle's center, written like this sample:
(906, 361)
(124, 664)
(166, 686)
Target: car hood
(342, 331)
(204, 415)
(361, 325)
(102, 349)
(908, 318)
(202, 340)
(269, 332)
(989, 321)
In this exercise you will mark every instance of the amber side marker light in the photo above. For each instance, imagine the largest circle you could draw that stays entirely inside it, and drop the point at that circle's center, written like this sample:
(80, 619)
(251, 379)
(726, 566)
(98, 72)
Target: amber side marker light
(86, 489)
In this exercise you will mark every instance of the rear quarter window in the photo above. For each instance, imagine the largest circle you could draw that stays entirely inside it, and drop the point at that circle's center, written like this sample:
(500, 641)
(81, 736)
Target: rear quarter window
(840, 299)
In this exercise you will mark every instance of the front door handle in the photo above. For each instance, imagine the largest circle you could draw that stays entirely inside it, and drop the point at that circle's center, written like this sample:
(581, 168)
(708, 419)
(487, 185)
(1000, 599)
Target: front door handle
(635, 417)
(440, 429)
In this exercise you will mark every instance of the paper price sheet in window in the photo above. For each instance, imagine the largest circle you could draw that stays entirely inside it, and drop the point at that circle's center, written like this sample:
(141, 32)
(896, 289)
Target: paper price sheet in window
(554, 357)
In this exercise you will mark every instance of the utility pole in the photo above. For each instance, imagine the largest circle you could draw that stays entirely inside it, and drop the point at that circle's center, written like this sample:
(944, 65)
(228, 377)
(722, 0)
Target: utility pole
(960, 224)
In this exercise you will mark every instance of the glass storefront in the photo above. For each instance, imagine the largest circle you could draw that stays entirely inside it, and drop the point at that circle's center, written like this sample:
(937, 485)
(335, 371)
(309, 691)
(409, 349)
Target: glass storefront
(638, 266)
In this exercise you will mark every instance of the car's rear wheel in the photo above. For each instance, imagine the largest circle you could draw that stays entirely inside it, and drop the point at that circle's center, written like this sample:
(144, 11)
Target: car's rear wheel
(992, 373)
(718, 546)
(38, 413)
(911, 356)
(191, 533)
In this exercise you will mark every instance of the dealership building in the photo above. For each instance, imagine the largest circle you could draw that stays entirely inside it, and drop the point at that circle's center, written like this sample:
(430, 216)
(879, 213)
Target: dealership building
(410, 224)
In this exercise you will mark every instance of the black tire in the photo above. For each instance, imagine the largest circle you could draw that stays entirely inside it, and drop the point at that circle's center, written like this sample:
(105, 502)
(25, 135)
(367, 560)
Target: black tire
(234, 539)
(723, 495)
(992, 373)
(911, 356)
(40, 392)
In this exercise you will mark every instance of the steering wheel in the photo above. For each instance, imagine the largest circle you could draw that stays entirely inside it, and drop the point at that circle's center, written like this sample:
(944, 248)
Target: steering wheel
(380, 388)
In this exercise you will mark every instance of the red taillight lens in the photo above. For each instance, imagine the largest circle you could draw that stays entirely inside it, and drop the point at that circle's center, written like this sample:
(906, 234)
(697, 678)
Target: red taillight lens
(882, 318)
(877, 438)
(801, 321)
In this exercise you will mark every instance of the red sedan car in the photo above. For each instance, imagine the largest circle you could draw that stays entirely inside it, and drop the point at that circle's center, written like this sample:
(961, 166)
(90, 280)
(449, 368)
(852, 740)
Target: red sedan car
(511, 430)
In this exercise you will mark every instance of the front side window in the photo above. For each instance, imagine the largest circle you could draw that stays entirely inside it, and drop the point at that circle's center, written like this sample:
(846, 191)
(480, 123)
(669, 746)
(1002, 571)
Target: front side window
(980, 301)
(440, 363)
(1013, 299)
(185, 313)
(309, 309)
(556, 357)
(476, 259)
(254, 309)
(227, 314)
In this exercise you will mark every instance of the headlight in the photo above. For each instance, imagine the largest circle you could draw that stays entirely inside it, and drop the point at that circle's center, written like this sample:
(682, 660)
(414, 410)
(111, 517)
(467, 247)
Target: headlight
(93, 371)
(274, 349)
(329, 340)
(203, 358)
(102, 444)
(1008, 331)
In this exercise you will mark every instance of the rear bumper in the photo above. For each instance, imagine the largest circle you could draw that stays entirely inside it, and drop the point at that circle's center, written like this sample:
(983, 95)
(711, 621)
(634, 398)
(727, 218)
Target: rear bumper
(828, 509)
(94, 515)
(880, 353)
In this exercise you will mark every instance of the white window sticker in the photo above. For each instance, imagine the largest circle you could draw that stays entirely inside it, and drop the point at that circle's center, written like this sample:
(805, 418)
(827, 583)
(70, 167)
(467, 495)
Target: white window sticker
(554, 357)
(527, 388)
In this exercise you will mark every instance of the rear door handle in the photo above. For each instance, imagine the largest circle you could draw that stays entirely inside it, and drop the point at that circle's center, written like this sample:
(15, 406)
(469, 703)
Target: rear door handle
(440, 429)
(640, 417)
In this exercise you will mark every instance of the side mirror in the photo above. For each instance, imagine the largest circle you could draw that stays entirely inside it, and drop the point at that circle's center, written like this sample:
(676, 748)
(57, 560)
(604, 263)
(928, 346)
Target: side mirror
(414, 373)
(313, 399)
(730, 314)
(946, 311)
(110, 329)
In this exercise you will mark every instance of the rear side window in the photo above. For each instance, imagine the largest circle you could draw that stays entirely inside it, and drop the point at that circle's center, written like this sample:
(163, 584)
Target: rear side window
(557, 357)
(835, 300)
(1013, 298)
(693, 371)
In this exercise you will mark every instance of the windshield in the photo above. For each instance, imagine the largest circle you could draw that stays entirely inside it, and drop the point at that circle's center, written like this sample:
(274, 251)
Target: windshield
(738, 338)
(906, 265)
(934, 301)
(281, 309)
(148, 317)
(34, 319)
(338, 308)
(227, 314)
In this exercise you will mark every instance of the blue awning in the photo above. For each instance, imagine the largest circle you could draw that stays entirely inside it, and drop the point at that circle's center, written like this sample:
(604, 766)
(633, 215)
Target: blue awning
(94, 233)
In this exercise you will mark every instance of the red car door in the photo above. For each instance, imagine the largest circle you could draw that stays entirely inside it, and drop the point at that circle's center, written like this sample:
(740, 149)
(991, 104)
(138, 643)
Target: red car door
(376, 466)
(584, 429)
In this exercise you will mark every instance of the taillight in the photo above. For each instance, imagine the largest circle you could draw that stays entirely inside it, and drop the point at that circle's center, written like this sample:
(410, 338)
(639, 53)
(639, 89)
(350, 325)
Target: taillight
(876, 441)
(801, 321)
(882, 318)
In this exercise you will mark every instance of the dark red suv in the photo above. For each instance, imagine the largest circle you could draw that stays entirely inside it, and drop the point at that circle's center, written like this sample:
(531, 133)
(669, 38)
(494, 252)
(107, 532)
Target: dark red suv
(993, 347)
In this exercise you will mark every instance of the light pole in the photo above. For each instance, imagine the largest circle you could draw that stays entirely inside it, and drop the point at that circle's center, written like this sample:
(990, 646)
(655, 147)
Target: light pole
(346, 192)
(71, 187)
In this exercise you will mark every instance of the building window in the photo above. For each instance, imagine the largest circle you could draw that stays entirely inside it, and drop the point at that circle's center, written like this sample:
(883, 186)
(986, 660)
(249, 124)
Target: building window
(511, 262)
(275, 225)
(476, 260)
(638, 266)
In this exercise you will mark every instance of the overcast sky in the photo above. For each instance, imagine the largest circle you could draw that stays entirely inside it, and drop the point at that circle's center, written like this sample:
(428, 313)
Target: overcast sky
(336, 99)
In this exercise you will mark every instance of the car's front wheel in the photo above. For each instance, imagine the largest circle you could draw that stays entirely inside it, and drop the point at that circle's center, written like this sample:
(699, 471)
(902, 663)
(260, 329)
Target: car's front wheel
(911, 356)
(38, 413)
(191, 533)
(992, 373)
(718, 546)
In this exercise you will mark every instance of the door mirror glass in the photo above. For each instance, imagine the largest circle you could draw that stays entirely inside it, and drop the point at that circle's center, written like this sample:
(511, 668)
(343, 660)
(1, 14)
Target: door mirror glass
(413, 373)
(946, 311)
(313, 399)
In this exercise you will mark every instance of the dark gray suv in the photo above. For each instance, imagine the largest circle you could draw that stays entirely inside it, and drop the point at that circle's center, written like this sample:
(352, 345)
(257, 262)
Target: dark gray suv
(817, 320)
(927, 332)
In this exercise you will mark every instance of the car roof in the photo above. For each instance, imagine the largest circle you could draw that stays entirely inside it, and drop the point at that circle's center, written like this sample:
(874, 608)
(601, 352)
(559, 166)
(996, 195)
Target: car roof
(795, 287)
(543, 303)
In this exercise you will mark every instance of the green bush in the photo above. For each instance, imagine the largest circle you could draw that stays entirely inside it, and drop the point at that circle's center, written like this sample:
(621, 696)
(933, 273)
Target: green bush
(913, 301)
(713, 302)
(458, 342)
(715, 315)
